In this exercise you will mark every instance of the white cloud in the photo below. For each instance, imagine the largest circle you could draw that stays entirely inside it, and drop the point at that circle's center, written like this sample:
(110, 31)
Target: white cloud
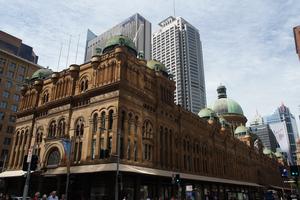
(247, 45)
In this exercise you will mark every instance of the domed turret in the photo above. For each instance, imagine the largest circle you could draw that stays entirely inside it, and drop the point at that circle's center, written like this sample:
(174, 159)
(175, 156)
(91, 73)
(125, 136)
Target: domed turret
(267, 151)
(229, 109)
(241, 131)
(120, 40)
(223, 105)
(41, 74)
(278, 154)
(207, 113)
(157, 66)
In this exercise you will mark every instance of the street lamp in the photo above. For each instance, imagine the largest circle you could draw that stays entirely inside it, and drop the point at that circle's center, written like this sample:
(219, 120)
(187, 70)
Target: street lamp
(26, 186)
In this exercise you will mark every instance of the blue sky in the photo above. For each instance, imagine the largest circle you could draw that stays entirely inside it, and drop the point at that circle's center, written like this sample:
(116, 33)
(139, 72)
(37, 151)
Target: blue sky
(247, 45)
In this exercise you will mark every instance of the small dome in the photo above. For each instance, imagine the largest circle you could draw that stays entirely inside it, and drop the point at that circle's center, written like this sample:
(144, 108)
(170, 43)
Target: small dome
(119, 40)
(267, 151)
(278, 154)
(156, 65)
(207, 113)
(41, 73)
(241, 130)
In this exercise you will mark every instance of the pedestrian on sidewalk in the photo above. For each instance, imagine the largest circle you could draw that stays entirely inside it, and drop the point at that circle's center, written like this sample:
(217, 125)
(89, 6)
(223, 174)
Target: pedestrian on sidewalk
(53, 196)
(36, 196)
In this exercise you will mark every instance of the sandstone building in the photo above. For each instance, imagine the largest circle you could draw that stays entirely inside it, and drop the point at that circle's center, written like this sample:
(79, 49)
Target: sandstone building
(118, 93)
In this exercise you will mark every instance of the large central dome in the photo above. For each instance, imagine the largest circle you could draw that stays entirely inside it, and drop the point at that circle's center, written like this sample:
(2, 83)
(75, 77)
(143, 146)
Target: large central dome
(223, 105)
(120, 40)
(42, 73)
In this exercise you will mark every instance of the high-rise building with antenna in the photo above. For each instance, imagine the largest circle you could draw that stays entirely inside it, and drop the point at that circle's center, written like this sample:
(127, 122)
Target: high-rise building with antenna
(283, 124)
(135, 27)
(177, 44)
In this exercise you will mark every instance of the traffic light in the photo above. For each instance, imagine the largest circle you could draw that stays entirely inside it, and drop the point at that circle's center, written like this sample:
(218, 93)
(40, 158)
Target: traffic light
(283, 171)
(25, 164)
(294, 170)
(177, 179)
(34, 162)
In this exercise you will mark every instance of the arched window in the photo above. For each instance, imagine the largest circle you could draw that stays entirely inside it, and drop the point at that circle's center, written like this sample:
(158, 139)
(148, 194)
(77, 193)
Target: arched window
(147, 140)
(110, 119)
(21, 137)
(129, 123)
(84, 85)
(26, 137)
(95, 122)
(45, 97)
(17, 138)
(61, 127)
(53, 158)
(79, 131)
(103, 120)
(52, 129)
(39, 140)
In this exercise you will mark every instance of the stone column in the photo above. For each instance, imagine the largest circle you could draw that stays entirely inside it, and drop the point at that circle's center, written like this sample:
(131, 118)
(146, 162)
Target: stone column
(13, 153)
(21, 151)
(98, 138)
(139, 142)
(125, 137)
(114, 132)
(88, 137)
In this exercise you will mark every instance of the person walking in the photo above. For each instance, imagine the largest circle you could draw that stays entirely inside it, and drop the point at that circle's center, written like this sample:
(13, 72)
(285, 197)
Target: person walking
(36, 196)
(63, 197)
(44, 197)
(53, 196)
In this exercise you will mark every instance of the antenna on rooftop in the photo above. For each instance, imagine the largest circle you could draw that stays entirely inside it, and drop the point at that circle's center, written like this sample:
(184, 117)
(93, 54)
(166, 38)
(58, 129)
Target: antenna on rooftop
(61, 46)
(77, 48)
(174, 8)
(68, 51)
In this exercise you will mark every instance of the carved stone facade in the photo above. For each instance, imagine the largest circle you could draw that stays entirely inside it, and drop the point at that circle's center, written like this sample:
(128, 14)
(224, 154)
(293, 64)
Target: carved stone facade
(117, 93)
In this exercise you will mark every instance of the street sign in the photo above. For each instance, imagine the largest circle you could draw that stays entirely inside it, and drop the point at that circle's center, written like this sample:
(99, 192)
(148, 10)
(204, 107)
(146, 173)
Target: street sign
(189, 188)
(29, 155)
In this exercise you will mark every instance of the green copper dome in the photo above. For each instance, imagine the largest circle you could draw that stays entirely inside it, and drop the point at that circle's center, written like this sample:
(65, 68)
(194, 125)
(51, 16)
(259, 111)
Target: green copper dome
(41, 73)
(278, 154)
(223, 105)
(267, 151)
(119, 40)
(241, 130)
(207, 113)
(156, 65)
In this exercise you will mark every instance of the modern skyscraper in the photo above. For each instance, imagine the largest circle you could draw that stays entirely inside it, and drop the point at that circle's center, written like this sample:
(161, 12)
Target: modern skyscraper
(177, 45)
(297, 39)
(283, 125)
(13, 71)
(135, 27)
(264, 132)
(15, 46)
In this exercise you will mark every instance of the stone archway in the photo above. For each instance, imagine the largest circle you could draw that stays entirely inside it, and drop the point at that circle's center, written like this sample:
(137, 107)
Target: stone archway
(53, 158)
